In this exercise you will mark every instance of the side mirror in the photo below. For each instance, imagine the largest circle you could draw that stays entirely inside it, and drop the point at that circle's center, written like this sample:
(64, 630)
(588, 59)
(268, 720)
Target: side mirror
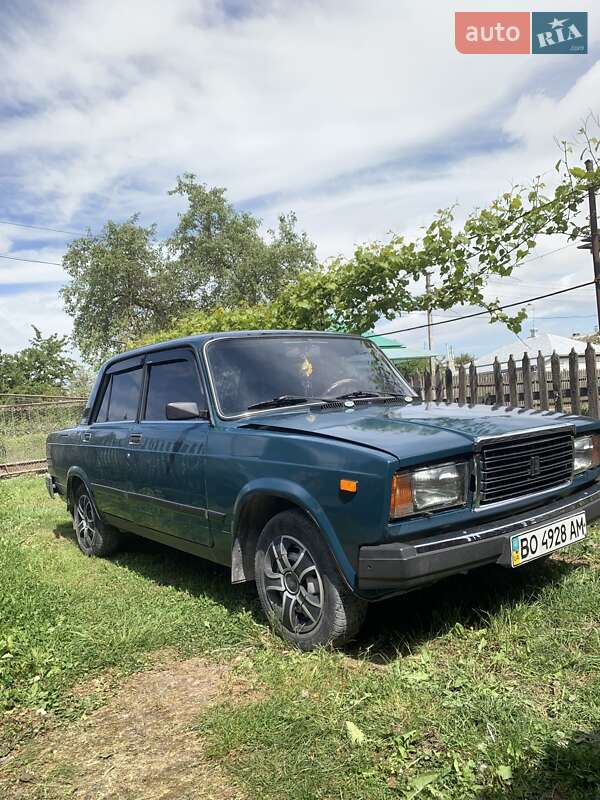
(179, 411)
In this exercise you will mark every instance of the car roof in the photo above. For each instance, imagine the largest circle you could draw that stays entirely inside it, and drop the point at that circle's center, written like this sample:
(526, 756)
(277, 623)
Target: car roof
(197, 340)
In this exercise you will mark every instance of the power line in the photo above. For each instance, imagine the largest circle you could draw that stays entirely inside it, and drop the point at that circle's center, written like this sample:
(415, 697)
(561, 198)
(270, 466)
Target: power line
(482, 313)
(40, 228)
(31, 260)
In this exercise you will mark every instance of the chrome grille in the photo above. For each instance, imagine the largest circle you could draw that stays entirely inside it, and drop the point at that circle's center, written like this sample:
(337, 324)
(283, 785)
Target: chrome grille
(522, 466)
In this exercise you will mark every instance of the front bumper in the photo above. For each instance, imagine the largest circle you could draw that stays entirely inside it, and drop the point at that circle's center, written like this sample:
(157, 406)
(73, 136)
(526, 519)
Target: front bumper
(402, 566)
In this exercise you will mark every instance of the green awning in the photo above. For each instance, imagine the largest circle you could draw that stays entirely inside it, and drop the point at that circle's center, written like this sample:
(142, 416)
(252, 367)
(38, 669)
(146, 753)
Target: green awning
(396, 351)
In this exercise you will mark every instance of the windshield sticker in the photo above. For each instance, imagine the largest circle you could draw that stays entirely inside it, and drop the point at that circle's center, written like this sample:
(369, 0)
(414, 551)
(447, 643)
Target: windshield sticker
(307, 367)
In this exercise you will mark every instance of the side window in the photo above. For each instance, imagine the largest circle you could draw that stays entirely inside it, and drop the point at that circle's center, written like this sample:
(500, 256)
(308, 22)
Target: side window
(124, 395)
(172, 382)
(102, 414)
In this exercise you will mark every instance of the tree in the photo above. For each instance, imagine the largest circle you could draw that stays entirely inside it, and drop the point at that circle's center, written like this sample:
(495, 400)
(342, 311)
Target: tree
(42, 368)
(118, 287)
(463, 358)
(124, 283)
(219, 256)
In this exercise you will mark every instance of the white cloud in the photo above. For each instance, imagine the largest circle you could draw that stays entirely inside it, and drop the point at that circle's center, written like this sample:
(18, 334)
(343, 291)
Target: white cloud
(17, 312)
(305, 101)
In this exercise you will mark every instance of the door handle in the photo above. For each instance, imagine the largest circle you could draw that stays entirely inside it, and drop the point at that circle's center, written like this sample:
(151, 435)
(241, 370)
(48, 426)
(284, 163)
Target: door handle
(86, 437)
(135, 438)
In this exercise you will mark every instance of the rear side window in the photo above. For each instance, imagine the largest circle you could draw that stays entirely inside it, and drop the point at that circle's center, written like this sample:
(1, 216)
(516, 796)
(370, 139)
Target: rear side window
(102, 414)
(172, 382)
(124, 396)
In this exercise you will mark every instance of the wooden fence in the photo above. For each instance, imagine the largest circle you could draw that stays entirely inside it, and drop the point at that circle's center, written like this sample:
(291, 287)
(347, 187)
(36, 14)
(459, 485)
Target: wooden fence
(567, 390)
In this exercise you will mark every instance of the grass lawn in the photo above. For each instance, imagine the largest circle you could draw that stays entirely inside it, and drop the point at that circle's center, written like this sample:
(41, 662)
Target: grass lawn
(486, 686)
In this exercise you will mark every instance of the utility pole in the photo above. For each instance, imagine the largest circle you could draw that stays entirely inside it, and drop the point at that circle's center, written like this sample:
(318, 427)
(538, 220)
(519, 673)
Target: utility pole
(430, 319)
(594, 237)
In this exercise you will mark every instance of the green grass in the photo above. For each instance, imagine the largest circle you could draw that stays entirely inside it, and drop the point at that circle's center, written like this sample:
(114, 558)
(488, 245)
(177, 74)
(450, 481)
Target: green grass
(485, 686)
(23, 432)
(23, 447)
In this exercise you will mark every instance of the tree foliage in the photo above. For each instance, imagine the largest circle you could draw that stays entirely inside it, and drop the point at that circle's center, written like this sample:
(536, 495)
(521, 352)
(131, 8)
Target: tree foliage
(42, 368)
(383, 279)
(118, 287)
(125, 283)
(220, 257)
(464, 359)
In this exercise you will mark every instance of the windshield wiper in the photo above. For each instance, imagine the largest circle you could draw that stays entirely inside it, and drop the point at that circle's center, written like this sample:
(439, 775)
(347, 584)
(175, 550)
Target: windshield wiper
(353, 395)
(284, 400)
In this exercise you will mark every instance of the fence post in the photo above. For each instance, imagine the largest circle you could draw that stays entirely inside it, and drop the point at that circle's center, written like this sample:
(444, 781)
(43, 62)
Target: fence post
(439, 386)
(427, 385)
(462, 384)
(592, 381)
(473, 382)
(498, 386)
(512, 382)
(416, 383)
(574, 382)
(527, 391)
(449, 386)
(556, 387)
(541, 374)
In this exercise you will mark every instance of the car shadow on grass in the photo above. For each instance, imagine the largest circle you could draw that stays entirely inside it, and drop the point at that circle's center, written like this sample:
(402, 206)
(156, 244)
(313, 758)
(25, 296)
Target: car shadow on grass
(166, 566)
(569, 769)
(393, 627)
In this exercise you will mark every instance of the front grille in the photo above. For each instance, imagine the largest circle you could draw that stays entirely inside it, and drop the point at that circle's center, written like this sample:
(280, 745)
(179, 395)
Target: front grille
(522, 466)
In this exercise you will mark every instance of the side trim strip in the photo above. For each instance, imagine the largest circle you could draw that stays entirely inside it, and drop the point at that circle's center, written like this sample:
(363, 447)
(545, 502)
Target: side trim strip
(169, 504)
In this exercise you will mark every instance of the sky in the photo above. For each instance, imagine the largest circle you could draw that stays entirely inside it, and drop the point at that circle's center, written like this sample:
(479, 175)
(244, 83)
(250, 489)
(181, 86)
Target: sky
(359, 116)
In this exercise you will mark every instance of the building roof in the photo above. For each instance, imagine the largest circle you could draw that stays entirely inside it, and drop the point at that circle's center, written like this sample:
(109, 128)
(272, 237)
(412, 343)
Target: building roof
(546, 343)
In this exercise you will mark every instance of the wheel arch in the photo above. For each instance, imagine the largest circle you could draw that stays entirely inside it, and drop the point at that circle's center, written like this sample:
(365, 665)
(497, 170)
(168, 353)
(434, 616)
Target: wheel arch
(77, 477)
(257, 504)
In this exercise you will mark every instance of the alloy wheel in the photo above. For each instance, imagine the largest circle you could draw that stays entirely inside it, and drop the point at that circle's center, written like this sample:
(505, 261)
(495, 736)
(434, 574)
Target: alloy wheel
(293, 584)
(85, 524)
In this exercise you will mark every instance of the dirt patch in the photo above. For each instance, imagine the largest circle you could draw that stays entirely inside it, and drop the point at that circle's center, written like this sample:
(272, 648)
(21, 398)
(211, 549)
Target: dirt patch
(140, 745)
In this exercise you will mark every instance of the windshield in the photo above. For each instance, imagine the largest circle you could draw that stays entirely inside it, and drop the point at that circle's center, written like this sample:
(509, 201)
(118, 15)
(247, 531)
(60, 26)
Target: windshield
(270, 371)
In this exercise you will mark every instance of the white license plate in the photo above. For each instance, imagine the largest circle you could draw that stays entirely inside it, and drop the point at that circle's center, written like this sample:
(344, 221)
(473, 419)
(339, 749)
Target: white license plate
(533, 544)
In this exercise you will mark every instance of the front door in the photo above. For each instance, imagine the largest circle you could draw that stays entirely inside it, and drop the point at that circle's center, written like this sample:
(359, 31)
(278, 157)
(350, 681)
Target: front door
(166, 458)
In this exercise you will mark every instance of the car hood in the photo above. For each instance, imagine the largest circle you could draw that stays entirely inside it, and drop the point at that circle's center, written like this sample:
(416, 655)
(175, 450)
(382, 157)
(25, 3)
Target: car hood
(414, 430)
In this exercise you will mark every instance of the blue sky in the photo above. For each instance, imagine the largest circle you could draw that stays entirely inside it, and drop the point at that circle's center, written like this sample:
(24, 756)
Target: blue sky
(359, 116)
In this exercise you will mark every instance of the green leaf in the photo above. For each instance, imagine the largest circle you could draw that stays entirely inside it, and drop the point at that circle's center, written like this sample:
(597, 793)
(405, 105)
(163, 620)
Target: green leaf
(420, 782)
(355, 734)
(504, 772)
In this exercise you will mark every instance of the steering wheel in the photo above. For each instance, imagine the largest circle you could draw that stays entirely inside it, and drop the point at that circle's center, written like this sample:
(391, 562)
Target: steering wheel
(344, 385)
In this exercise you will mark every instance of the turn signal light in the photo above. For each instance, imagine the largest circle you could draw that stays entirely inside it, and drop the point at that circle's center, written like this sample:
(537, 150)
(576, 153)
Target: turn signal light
(348, 486)
(401, 502)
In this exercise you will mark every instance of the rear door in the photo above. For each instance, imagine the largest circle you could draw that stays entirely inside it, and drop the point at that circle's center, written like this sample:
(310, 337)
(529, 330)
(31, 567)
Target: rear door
(106, 439)
(167, 457)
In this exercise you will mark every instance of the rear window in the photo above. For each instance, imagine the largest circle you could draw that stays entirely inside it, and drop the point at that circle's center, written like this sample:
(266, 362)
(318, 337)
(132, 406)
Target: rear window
(121, 397)
(124, 395)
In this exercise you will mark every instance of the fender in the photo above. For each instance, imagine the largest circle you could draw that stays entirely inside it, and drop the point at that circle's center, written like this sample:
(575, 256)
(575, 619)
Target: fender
(297, 494)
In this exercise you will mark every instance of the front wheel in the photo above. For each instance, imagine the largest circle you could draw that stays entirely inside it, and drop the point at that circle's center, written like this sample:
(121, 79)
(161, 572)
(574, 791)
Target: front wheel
(299, 585)
(94, 537)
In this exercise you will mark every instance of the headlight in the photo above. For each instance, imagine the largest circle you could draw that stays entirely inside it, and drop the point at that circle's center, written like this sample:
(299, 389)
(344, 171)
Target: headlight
(428, 489)
(586, 453)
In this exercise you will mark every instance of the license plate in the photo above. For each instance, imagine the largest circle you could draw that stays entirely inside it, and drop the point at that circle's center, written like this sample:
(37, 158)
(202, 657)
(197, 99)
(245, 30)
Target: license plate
(533, 544)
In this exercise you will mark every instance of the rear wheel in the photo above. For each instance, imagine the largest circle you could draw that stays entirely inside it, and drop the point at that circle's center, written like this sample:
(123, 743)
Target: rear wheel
(94, 537)
(299, 585)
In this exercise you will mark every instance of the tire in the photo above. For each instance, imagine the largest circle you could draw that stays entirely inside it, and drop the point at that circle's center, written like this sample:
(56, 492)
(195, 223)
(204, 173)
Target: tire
(300, 588)
(94, 537)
